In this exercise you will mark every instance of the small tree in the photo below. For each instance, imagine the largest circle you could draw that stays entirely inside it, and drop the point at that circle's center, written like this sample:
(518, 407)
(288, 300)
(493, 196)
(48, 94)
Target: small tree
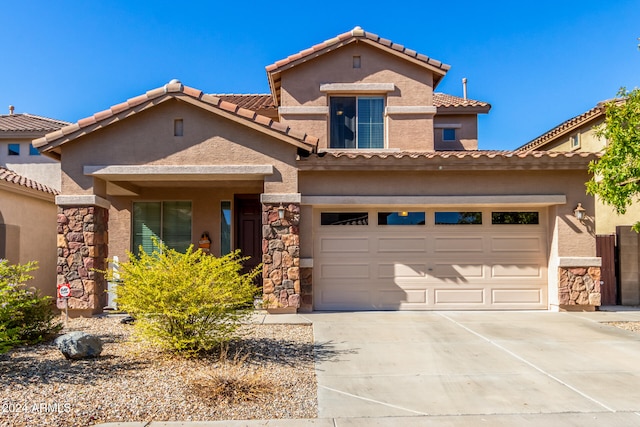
(185, 302)
(616, 175)
(25, 316)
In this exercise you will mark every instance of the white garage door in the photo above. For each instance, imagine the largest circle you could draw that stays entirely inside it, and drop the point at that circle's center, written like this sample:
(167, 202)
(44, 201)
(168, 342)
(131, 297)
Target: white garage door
(376, 259)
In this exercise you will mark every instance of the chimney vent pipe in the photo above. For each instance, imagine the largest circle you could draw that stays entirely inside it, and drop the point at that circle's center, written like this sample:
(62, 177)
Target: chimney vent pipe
(464, 88)
(11, 109)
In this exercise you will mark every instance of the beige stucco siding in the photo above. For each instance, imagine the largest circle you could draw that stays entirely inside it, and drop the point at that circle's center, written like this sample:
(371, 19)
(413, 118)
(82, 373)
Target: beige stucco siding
(147, 138)
(30, 226)
(466, 126)
(588, 140)
(413, 86)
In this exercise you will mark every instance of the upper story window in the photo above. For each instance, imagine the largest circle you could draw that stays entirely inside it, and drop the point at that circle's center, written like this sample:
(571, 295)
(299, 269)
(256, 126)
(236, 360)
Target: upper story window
(33, 151)
(575, 141)
(13, 150)
(356, 122)
(449, 134)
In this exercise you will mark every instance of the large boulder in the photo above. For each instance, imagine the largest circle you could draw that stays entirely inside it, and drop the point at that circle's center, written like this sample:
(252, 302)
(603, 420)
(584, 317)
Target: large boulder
(79, 345)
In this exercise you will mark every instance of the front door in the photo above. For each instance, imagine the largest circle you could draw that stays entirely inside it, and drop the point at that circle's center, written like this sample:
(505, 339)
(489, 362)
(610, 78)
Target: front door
(249, 229)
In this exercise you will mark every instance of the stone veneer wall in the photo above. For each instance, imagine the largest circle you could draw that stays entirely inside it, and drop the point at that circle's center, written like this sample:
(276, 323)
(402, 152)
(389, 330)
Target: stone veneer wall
(579, 286)
(306, 288)
(82, 247)
(281, 256)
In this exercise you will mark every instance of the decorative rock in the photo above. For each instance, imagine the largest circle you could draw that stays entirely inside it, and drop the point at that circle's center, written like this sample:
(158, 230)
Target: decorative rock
(79, 345)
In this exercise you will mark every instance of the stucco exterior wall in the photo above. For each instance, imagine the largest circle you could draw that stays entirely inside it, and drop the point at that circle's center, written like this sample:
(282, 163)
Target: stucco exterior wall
(413, 87)
(30, 224)
(466, 133)
(147, 138)
(37, 167)
(588, 140)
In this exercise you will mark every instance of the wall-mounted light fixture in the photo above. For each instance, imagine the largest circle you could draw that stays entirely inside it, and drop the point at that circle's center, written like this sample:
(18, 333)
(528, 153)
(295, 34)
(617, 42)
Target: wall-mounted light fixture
(579, 212)
(281, 211)
(403, 213)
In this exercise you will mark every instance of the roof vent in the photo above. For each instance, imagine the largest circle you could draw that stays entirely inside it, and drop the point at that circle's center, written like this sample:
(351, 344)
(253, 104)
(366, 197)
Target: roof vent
(464, 88)
(11, 109)
(173, 81)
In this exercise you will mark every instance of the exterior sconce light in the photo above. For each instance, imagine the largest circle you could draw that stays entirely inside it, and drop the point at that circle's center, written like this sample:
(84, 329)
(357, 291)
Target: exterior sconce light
(281, 211)
(579, 212)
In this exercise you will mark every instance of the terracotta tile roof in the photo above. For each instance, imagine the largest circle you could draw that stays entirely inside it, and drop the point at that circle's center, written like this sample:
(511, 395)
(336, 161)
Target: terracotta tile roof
(29, 123)
(476, 154)
(443, 100)
(173, 89)
(253, 102)
(445, 160)
(12, 177)
(563, 128)
(357, 34)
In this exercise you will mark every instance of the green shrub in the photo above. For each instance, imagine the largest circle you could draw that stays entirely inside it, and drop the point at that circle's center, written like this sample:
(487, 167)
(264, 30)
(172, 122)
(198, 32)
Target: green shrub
(185, 302)
(25, 316)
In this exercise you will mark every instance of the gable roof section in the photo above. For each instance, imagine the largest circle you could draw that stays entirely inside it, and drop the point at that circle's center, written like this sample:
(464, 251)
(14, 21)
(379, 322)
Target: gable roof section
(27, 125)
(564, 128)
(13, 179)
(356, 35)
(50, 143)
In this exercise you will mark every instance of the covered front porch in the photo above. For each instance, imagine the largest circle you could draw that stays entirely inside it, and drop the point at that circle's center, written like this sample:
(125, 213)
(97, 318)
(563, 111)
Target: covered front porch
(178, 205)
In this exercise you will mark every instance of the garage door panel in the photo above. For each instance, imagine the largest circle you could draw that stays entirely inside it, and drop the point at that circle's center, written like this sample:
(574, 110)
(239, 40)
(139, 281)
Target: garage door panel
(458, 244)
(395, 297)
(516, 270)
(344, 244)
(404, 245)
(345, 297)
(460, 296)
(393, 270)
(448, 271)
(518, 296)
(344, 271)
(516, 244)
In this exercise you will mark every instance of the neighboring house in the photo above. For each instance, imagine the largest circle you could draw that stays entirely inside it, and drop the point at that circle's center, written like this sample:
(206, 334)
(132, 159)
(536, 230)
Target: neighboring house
(578, 134)
(355, 184)
(27, 227)
(19, 155)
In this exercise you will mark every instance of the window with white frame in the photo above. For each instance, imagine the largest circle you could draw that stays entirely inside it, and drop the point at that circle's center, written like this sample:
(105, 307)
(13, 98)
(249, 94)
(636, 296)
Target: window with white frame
(575, 141)
(169, 222)
(356, 122)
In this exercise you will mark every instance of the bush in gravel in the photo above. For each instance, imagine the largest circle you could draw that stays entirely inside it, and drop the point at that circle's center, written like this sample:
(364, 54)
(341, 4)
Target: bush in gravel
(185, 302)
(25, 316)
(232, 382)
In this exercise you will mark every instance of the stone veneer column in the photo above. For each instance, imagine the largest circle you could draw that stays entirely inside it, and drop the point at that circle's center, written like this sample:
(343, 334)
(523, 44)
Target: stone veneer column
(281, 256)
(83, 249)
(579, 283)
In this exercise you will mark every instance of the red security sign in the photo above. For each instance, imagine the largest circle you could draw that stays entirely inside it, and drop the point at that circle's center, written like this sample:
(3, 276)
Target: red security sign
(64, 290)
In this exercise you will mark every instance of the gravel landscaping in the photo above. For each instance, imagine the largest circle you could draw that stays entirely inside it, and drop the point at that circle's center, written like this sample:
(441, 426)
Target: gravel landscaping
(273, 366)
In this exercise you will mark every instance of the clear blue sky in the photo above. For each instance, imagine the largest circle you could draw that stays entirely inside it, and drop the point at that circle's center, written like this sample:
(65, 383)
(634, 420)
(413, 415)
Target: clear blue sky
(538, 63)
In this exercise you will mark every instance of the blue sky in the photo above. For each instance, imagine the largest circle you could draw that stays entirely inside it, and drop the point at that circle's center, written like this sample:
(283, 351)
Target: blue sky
(538, 63)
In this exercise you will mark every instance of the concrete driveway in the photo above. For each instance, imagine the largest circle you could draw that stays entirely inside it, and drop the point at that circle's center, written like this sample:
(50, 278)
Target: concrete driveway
(471, 368)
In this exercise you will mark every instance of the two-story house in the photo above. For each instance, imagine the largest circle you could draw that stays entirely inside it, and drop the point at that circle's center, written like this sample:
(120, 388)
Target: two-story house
(354, 183)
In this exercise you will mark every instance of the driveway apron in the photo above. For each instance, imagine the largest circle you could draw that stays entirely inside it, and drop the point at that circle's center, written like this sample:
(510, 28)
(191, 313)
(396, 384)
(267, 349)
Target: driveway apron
(404, 364)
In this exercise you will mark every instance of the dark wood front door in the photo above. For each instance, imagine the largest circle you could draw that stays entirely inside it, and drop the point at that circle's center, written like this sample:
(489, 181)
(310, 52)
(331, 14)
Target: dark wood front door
(249, 228)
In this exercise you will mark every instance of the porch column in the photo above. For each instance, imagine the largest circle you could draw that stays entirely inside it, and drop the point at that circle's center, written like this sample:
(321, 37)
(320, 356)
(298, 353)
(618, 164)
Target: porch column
(579, 283)
(281, 251)
(83, 248)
